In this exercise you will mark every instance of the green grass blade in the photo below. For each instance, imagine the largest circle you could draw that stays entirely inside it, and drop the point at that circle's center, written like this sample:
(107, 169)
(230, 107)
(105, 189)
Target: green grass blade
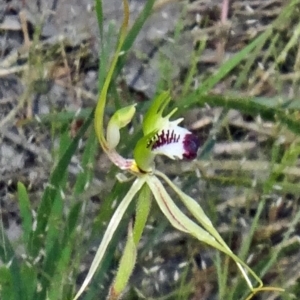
(6, 291)
(99, 14)
(251, 107)
(87, 163)
(57, 247)
(8, 257)
(133, 33)
(25, 212)
(224, 70)
(36, 240)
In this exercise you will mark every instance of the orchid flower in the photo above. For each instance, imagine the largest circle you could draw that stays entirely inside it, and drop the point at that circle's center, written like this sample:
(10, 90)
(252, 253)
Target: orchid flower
(161, 136)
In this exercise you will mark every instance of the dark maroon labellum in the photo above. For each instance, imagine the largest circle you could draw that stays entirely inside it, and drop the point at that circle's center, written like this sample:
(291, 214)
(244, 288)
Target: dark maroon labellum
(191, 145)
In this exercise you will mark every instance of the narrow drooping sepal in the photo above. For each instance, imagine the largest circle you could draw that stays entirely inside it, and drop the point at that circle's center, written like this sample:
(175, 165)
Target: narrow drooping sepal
(126, 267)
(111, 228)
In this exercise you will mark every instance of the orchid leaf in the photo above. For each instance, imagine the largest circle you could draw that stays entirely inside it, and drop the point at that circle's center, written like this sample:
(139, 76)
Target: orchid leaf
(111, 228)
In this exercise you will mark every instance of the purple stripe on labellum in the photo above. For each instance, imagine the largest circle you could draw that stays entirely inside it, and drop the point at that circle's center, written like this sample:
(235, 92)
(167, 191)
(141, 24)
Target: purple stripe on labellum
(174, 142)
(191, 145)
(165, 138)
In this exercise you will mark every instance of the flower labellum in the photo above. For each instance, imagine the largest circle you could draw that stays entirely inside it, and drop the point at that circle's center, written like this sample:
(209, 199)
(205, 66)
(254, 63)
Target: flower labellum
(175, 142)
(191, 145)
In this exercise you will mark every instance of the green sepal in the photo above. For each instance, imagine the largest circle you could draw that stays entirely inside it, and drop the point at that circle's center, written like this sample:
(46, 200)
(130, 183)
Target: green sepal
(126, 267)
(142, 212)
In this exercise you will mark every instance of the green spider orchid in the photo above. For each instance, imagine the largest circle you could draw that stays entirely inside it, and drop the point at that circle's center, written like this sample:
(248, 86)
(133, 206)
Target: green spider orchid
(161, 136)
